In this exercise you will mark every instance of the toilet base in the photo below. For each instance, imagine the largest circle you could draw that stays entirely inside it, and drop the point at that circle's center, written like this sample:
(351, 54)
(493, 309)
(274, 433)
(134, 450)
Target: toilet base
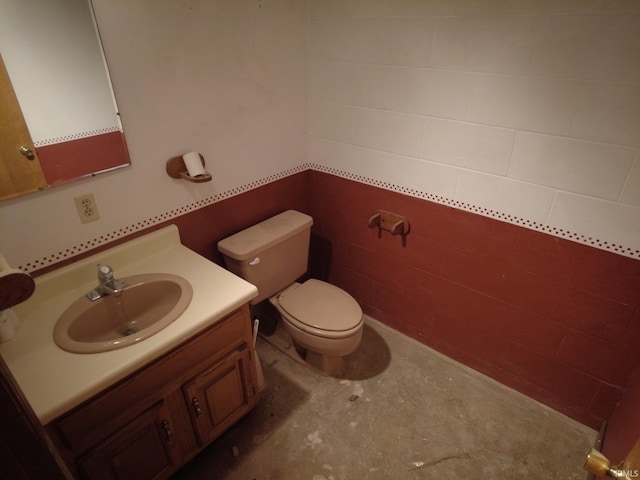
(327, 365)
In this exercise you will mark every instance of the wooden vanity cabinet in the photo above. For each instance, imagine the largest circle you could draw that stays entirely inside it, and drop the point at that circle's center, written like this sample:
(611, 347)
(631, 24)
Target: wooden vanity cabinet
(151, 423)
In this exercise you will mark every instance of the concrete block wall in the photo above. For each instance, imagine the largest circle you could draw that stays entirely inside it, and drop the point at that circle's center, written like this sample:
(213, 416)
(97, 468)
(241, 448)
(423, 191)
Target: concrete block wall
(525, 111)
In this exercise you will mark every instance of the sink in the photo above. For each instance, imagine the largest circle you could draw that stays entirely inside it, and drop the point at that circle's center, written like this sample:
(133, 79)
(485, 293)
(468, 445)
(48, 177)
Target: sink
(149, 303)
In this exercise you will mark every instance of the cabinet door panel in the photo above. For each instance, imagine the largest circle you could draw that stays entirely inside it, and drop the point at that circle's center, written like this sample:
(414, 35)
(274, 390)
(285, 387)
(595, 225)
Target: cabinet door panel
(221, 395)
(226, 395)
(143, 450)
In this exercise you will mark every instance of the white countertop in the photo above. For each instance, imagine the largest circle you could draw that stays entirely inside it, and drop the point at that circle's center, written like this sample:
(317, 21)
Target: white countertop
(53, 380)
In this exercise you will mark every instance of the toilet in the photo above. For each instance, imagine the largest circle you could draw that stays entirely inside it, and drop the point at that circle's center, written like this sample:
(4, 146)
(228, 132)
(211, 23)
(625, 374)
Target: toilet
(324, 322)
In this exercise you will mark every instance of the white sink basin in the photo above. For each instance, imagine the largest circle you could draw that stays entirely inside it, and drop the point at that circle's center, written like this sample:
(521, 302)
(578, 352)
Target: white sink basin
(149, 303)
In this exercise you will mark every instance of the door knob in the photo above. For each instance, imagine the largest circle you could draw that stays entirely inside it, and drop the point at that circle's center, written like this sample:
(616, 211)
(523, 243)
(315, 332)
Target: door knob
(27, 152)
(196, 406)
(597, 463)
(167, 430)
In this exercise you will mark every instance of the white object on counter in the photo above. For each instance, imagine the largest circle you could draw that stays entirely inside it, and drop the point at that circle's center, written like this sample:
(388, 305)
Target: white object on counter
(8, 324)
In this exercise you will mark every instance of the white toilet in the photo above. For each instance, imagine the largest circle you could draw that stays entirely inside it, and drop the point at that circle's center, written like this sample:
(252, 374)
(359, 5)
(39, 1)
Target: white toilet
(322, 319)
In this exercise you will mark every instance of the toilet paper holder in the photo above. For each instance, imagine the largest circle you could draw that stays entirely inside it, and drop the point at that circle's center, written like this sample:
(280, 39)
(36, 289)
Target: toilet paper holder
(176, 168)
(391, 222)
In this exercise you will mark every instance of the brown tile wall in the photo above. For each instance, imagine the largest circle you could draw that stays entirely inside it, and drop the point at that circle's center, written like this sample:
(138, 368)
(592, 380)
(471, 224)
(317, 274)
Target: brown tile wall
(201, 229)
(556, 320)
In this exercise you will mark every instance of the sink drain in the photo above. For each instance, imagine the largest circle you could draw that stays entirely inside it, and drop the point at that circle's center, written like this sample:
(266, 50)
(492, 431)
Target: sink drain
(129, 331)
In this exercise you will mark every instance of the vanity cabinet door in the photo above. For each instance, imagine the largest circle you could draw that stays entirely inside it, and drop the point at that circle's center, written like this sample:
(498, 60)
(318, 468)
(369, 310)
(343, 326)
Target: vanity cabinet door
(221, 395)
(143, 450)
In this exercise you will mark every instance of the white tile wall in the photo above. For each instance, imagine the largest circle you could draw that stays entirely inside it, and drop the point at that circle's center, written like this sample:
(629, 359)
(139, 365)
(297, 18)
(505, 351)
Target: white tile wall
(550, 45)
(376, 40)
(470, 145)
(356, 8)
(504, 196)
(359, 162)
(631, 190)
(529, 109)
(389, 131)
(348, 83)
(487, 43)
(589, 168)
(607, 220)
(540, 104)
(609, 112)
(428, 91)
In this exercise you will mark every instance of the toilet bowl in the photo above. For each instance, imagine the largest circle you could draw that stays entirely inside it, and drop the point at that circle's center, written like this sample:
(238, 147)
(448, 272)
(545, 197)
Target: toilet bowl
(322, 319)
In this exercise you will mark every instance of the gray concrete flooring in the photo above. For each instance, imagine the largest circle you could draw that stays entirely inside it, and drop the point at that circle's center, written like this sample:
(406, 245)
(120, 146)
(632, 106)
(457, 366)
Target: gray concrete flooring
(399, 411)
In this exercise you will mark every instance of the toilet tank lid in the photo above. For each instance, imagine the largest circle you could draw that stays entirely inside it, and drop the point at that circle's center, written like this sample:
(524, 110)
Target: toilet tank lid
(249, 242)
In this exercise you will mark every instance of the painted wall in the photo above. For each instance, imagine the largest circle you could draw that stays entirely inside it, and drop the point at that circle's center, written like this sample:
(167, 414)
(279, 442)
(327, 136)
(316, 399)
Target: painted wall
(527, 112)
(524, 111)
(227, 79)
(511, 112)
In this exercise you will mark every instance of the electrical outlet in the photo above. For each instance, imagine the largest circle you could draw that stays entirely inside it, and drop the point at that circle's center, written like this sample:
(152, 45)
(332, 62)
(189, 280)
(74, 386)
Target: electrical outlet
(87, 208)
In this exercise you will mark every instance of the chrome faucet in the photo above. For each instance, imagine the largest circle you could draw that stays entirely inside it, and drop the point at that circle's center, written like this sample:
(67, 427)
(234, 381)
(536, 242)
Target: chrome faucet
(107, 285)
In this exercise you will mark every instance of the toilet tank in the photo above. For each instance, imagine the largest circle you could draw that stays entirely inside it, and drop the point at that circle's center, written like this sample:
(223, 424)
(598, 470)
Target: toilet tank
(271, 254)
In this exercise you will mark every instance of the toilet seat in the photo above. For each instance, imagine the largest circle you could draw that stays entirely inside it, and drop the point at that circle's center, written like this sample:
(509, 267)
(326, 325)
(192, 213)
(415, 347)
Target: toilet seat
(321, 309)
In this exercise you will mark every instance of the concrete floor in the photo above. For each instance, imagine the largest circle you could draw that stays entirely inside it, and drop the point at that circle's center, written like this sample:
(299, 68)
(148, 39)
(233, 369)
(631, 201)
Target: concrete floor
(400, 411)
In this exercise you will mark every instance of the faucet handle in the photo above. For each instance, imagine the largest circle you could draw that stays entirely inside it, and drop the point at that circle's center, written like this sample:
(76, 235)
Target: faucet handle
(105, 273)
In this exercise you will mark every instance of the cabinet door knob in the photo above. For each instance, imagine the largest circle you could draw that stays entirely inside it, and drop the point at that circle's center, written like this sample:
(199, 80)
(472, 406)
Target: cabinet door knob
(196, 406)
(27, 152)
(167, 430)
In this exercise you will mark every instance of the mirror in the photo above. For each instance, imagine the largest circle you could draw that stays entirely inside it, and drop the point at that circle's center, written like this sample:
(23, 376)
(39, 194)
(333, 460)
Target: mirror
(58, 72)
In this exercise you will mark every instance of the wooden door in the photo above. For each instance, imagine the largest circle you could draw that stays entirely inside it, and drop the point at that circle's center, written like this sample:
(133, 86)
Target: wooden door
(19, 173)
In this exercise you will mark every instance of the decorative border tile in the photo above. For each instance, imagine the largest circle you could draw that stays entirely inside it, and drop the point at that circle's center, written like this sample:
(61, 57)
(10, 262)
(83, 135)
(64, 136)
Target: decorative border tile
(523, 222)
(149, 222)
(75, 136)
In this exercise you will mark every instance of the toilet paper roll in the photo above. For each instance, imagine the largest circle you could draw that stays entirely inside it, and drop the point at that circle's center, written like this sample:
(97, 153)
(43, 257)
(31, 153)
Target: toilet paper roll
(15, 285)
(194, 164)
